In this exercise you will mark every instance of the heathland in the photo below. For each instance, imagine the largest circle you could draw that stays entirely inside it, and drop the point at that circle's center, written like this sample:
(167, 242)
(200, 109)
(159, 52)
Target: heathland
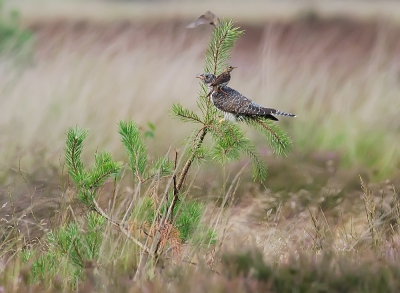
(326, 217)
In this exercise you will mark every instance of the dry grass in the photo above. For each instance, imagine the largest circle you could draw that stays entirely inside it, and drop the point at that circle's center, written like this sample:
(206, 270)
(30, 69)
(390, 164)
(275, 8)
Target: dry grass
(337, 75)
(340, 77)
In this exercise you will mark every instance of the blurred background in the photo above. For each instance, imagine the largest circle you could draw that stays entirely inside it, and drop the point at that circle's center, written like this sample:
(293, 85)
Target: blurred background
(92, 63)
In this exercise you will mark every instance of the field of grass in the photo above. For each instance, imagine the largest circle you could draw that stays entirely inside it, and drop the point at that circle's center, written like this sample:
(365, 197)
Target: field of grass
(311, 226)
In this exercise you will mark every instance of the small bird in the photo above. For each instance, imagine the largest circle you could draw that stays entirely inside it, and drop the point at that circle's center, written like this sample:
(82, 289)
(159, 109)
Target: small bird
(234, 105)
(224, 78)
(206, 18)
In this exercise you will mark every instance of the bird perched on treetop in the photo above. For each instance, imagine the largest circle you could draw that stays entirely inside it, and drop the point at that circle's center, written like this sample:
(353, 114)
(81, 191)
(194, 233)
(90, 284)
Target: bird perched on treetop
(221, 80)
(206, 18)
(236, 106)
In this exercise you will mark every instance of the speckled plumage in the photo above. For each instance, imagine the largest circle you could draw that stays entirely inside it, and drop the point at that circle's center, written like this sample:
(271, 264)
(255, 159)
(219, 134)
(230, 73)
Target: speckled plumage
(235, 105)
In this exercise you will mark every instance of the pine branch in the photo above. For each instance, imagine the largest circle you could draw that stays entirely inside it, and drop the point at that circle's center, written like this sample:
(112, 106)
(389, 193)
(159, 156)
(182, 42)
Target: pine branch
(73, 153)
(87, 181)
(227, 138)
(218, 50)
(258, 165)
(276, 137)
(189, 162)
(103, 168)
(197, 149)
(221, 43)
(185, 115)
(230, 142)
(135, 147)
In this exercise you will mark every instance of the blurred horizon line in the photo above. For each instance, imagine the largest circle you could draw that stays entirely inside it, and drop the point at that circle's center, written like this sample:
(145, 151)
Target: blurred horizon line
(250, 12)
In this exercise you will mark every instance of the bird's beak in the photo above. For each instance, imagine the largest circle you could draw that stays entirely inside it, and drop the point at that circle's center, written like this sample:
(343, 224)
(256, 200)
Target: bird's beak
(200, 76)
(234, 67)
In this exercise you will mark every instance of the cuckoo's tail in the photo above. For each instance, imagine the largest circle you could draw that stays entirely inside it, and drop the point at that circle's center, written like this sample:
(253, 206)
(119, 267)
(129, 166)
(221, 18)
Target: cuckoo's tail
(277, 112)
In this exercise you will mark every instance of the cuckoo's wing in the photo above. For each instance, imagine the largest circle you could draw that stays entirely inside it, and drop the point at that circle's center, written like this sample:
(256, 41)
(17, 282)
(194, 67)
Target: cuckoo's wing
(228, 100)
(231, 101)
(253, 109)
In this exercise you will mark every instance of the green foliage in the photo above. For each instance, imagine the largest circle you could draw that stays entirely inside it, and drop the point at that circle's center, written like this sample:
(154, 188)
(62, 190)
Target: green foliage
(12, 36)
(150, 133)
(231, 142)
(68, 241)
(135, 147)
(188, 223)
(73, 243)
(188, 218)
(93, 235)
(185, 115)
(103, 168)
(80, 247)
(73, 154)
(87, 181)
(276, 137)
(68, 248)
(44, 265)
(137, 153)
